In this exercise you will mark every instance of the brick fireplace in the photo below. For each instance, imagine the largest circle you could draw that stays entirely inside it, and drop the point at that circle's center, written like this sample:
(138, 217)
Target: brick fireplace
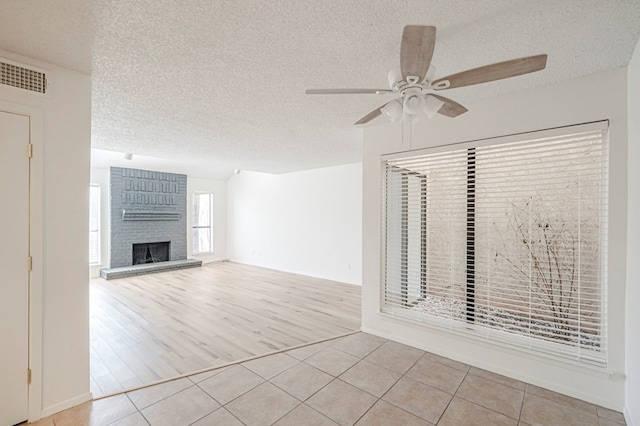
(148, 218)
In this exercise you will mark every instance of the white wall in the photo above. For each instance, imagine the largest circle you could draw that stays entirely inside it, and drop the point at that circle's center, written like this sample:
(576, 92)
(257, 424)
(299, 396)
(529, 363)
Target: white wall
(632, 397)
(59, 326)
(219, 190)
(306, 222)
(592, 98)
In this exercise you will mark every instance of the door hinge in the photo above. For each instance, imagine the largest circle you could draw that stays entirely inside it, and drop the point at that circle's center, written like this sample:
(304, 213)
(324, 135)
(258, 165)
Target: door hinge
(29, 263)
(28, 376)
(30, 150)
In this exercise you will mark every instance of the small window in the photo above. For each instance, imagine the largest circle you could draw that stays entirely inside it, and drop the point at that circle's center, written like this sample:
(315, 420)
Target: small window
(202, 223)
(94, 224)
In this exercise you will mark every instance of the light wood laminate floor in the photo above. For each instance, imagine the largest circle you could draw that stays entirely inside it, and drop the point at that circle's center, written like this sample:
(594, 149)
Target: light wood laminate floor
(153, 327)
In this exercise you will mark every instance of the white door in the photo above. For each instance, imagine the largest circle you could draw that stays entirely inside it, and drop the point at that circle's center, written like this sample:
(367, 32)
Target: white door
(14, 275)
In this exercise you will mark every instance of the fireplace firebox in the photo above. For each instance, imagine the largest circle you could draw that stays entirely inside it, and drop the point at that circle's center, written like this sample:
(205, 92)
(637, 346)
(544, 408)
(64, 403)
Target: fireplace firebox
(150, 252)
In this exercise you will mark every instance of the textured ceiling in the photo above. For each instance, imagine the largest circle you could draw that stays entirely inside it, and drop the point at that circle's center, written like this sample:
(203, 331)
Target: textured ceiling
(220, 84)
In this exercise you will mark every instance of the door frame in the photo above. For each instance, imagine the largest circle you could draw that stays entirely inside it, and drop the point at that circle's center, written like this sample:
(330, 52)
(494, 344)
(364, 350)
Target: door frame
(36, 249)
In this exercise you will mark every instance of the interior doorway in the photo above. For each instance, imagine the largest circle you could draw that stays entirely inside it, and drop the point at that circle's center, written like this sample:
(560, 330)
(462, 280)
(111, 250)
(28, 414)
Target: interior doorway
(14, 255)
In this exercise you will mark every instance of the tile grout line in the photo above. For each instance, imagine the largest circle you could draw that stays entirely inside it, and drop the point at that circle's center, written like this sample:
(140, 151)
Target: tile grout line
(137, 410)
(303, 362)
(243, 393)
(524, 395)
(301, 402)
(166, 397)
(334, 378)
(349, 384)
(219, 408)
(488, 408)
(234, 416)
(123, 416)
(453, 396)
(395, 383)
(566, 405)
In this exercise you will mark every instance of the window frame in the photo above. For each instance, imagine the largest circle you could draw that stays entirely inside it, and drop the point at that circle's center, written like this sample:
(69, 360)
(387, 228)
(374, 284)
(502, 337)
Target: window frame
(469, 328)
(98, 230)
(195, 227)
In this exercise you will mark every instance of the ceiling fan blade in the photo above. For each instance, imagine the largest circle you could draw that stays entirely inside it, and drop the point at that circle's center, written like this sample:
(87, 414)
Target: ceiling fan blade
(416, 50)
(494, 72)
(347, 91)
(450, 108)
(373, 114)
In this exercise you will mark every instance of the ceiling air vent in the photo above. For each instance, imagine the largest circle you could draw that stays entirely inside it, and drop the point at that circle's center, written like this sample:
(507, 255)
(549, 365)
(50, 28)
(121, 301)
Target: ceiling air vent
(22, 78)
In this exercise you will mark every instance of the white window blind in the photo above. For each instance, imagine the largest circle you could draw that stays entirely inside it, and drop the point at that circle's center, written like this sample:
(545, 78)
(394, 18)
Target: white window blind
(94, 224)
(503, 239)
(202, 223)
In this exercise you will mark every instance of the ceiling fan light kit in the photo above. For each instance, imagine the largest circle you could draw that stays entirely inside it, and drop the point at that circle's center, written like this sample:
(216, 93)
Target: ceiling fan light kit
(414, 82)
(413, 101)
(393, 110)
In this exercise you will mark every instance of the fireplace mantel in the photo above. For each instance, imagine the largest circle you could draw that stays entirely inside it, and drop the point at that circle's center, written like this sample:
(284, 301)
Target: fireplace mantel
(149, 215)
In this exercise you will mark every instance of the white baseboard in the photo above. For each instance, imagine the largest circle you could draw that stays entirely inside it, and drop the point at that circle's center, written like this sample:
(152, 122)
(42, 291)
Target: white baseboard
(46, 412)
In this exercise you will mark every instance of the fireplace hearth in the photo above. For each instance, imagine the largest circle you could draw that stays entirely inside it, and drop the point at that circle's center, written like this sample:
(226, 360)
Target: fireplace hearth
(150, 252)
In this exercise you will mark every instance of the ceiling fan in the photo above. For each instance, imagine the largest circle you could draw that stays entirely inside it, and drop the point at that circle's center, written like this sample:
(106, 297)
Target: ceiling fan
(415, 84)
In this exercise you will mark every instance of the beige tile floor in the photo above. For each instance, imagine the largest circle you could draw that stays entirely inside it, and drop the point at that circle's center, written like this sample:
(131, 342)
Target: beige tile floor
(358, 379)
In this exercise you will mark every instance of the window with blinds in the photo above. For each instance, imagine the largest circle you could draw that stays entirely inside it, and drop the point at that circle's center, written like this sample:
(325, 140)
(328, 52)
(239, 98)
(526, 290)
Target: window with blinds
(94, 224)
(504, 239)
